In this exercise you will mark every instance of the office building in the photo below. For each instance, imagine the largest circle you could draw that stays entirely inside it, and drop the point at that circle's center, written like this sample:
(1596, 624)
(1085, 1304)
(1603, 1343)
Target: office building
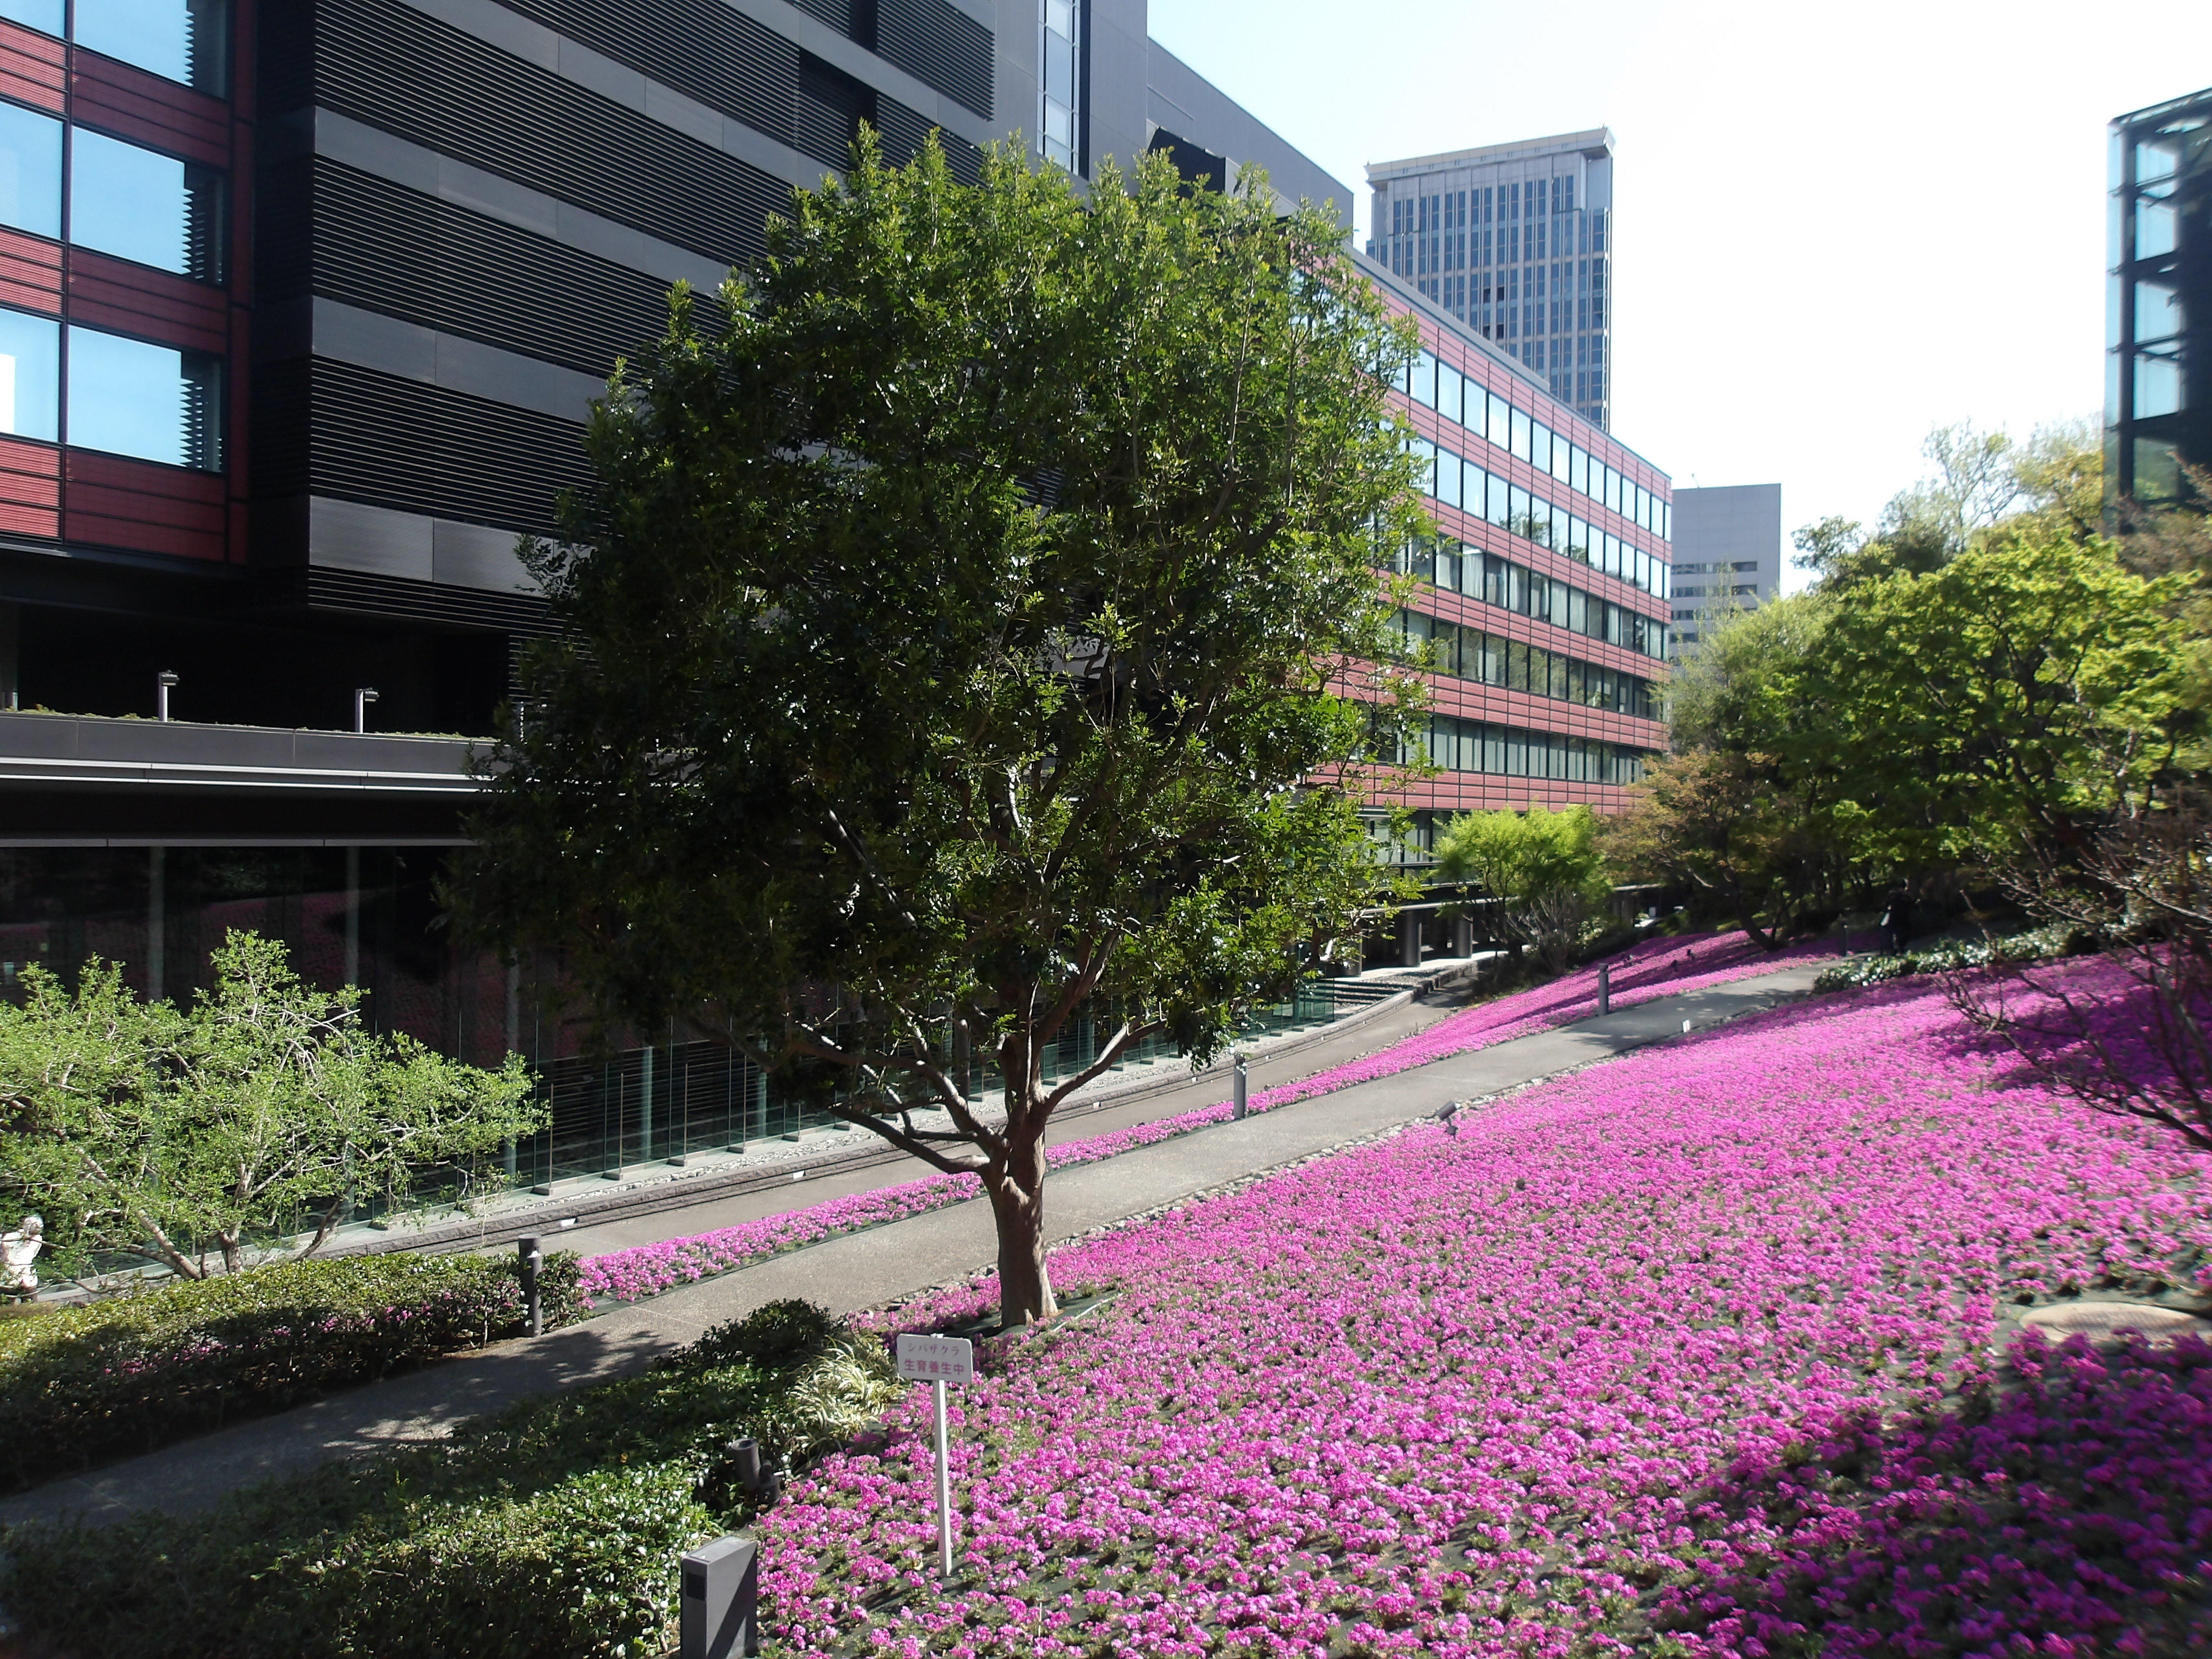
(1727, 554)
(2158, 388)
(302, 308)
(1543, 599)
(1514, 241)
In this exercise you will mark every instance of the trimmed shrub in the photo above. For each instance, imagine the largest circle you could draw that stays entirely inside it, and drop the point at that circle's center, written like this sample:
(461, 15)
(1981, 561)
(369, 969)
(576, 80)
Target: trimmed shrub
(548, 1532)
(1947, 956)
(120, 1377)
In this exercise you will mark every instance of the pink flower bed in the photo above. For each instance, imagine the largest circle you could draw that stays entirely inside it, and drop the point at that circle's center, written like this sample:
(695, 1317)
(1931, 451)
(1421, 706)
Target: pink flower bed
(1707, 1344)
(1657, 969)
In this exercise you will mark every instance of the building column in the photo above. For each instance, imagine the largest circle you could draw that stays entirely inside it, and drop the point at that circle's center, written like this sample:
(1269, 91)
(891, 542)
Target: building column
(157, 923)
(1409, 940)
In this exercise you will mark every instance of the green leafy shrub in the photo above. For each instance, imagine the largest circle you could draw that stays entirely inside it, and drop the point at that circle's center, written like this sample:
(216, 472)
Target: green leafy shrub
(1947, 956)
(548, 1532)
(123, 1376)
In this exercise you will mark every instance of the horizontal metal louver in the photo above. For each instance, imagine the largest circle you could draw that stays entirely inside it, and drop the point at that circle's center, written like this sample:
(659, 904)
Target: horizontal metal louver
(941, 46)
(369, 594)
(704, 49)
(905, 131)
(386, 248)
(496, 112)
(332, 428)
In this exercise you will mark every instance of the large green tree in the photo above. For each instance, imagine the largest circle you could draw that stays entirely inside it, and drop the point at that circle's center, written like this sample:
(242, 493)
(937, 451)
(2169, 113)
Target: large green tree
(958, 647)
(1543, 868)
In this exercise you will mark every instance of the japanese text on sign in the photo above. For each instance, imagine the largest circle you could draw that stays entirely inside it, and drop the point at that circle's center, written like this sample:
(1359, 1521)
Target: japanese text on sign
(936, 1359)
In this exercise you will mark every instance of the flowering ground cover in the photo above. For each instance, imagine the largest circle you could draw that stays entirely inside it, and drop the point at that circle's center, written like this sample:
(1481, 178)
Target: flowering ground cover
(1711, 1351)
(1658, 968)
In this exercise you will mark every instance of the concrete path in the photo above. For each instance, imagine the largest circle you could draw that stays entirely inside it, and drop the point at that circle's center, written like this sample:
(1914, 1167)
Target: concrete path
(858, 1270)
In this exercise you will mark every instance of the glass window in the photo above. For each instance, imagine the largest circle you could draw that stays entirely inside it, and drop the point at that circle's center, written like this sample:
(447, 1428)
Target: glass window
(1500, 430)
(30, 375)
(30, 171)
(154, 402)
(2154, 228)
(2158, 309)
(1450, 392)
(1578, 469)
(2158, 383)
(1561, 450)
(1058, 92)
(1540, 521)
(1498, 501)
(1474, 406)
(1523, 431)
(1540, 446)
(1424, 473)
(137, 204)
(1448, 478)
(1516, 520)
(1425, 379)
(185, 40)
(44, 16)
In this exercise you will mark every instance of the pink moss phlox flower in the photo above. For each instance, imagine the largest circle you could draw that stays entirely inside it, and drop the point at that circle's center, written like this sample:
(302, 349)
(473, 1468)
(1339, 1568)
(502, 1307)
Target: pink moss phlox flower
(1712, 1342)
(1658, 968)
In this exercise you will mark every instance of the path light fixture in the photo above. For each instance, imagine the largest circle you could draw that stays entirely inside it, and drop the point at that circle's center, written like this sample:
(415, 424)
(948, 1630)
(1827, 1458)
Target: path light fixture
(362, 696)
(162, 683)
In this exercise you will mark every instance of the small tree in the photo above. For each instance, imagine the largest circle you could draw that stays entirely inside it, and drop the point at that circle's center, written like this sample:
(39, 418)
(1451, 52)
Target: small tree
(954, 652)
(135, 1127)
(1544, 867)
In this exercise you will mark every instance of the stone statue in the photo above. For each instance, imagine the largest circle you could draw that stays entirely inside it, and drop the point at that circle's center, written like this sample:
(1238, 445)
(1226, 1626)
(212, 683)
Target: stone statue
(18, 1250)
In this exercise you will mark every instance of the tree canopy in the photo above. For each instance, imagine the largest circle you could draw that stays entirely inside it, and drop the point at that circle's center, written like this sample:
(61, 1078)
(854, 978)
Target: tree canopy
(958, 650)
(264, 1108)
(1543, 867)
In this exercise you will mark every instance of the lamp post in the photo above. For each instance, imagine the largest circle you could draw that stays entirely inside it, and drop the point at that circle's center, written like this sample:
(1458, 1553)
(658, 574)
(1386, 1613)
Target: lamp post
(162, 683)
(362, 696)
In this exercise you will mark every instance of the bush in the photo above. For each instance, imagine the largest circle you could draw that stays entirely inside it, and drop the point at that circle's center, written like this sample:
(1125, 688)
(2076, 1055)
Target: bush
(548, 1531)
(1950, 955)
(119, 1376)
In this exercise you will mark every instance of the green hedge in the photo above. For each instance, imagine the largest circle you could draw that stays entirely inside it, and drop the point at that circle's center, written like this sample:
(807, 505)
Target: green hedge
(1949, 956)
(123, 1376)
(550, 1532)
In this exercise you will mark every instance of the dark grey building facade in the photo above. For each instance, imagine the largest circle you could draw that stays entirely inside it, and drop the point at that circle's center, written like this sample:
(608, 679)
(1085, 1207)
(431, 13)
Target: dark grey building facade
(2158, 363)
(309, 341)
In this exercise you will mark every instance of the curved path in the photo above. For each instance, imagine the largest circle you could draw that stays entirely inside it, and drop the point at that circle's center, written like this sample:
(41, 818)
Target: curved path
(864, 1269)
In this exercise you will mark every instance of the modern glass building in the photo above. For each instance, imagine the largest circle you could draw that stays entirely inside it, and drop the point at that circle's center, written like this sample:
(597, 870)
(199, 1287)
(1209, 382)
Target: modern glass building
(2157, 365)
(1727, 554)
(1514, 241)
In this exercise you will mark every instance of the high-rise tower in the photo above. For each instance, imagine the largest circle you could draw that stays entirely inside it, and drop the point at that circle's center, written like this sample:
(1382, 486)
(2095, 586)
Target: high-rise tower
(1515, 241)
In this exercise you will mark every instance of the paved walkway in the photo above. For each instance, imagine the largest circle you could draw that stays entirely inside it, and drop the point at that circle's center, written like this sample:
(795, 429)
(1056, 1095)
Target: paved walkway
(858, 1270)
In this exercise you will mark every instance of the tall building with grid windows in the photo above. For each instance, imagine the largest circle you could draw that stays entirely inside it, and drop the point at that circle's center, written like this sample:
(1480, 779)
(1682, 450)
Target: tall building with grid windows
(1515, 242)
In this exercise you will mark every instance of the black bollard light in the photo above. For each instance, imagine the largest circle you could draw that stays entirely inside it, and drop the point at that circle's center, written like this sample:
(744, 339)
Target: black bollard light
(532, 1259)
(1604, 988)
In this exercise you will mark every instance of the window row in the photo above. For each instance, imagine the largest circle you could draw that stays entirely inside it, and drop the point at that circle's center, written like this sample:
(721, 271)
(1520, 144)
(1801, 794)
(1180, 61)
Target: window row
(1493, 580)
(1718, 590)
(1742, 568)
(1438, 386)
(96, 391)
(1518, 512)
(1468, 653)
(135, 203)
(186, 41)
(1458, 746)
(1059, 89)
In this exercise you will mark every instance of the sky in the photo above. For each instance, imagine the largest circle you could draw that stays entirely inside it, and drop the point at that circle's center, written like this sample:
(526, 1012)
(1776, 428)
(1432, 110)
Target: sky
(1836, 227)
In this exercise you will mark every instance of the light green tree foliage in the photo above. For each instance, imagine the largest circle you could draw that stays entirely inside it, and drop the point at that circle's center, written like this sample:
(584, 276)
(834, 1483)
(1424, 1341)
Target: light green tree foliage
(1735, 816)
(952, 651)
(135, 1127)
(2026, 687)
(1545, 866)
(1981, 480)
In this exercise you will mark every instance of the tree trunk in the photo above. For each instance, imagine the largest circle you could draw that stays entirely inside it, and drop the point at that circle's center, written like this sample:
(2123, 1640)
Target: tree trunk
(1016, 1192)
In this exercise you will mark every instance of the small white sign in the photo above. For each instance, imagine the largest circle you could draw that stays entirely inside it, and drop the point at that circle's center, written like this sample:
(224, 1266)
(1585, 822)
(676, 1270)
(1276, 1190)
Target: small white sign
(936, 1359)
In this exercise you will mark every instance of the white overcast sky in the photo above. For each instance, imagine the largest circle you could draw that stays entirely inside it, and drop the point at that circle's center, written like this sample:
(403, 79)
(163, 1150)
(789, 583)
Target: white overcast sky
(1836, 227)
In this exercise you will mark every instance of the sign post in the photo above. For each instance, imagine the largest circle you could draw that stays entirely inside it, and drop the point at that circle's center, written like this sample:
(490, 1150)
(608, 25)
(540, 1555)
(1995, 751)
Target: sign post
(937, 1360)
